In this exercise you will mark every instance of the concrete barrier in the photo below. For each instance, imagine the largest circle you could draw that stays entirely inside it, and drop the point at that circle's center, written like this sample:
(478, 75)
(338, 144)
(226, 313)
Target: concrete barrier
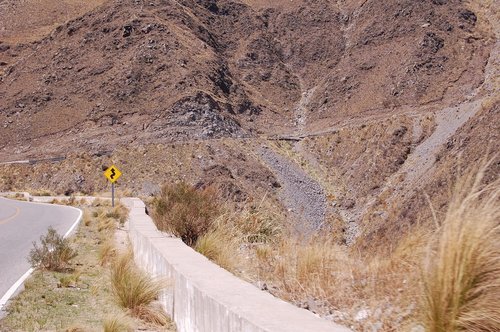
(205, 297)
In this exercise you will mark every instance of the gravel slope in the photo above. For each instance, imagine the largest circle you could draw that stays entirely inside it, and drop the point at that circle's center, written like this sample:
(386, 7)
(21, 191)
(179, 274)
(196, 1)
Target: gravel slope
(304, 198)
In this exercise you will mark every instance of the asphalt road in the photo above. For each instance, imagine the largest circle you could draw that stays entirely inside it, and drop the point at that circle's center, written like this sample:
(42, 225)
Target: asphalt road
(22, 223)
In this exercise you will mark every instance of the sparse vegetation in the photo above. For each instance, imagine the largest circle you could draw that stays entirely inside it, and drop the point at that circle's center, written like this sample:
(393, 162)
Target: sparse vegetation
(79, 300)
(69, 280)
(54, 252)
(380, 289)
(185, 211)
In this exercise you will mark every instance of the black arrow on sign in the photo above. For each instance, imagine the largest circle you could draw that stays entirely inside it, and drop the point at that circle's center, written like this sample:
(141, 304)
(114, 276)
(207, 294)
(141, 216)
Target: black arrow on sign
(112, 173)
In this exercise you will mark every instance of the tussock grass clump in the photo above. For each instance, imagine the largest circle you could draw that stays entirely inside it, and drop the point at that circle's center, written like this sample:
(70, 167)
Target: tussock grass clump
(117, 324)
(54, 252)
(106, 224)
(87, 218)
(258, 227)
(70, 280)
(119, 212)
(322, 275)
(462, 276)
(107, 252)
(219, 246)
(185, 211)
(135, 290)
(98, 202)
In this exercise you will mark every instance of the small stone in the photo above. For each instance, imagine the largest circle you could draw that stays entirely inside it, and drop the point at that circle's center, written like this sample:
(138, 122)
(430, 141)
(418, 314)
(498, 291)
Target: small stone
(362, 315)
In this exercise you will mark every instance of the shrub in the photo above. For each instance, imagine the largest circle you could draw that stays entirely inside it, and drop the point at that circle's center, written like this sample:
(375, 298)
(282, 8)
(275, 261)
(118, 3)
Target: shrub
(461, 278)
(185, 211)
(53, 254)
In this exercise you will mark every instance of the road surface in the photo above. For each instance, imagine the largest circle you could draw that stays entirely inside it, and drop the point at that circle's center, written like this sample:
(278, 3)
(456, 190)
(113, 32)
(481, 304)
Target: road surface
(22, 223)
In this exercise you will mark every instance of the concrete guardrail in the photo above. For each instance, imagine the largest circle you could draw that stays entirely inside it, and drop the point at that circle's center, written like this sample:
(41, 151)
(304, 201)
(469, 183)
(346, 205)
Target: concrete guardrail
(206, 298)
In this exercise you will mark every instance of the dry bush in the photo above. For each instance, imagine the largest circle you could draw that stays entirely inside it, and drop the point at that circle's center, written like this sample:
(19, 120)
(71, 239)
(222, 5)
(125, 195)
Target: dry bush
(462, 276)
(135, 290)
(54, 252)
(185, 211)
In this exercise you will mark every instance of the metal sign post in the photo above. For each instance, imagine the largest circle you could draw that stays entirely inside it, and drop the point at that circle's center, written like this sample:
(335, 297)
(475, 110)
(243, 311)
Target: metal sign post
(112, 174)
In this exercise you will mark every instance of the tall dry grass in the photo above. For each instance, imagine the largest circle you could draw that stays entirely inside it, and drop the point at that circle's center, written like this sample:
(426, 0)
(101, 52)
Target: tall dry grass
(137, 291)
(117, 324)
(461, 278)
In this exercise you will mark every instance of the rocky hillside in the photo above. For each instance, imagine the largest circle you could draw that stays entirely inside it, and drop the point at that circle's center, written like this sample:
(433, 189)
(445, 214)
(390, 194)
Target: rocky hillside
(366, 92)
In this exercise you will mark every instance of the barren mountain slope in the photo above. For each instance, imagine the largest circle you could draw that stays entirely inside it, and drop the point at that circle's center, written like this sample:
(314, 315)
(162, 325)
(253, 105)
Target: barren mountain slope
(351, 119)
(159, 71)
(363, 83)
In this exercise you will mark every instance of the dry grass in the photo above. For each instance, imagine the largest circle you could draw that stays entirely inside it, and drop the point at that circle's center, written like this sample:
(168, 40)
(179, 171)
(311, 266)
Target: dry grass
(185, 211)
(119, 212)
(219, 246)
(101, 202)
(69, 280)
(107, 252)
(330, 280)
(106, 224)
(136, 291)
(56, 301)
(117, 324)
(87, 218)
(461, 278)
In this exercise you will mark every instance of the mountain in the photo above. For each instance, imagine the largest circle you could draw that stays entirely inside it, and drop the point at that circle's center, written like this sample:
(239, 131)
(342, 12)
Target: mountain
(374, 101)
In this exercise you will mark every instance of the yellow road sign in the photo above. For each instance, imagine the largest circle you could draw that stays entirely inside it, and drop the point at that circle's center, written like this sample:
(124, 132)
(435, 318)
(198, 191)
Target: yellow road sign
(112, 173)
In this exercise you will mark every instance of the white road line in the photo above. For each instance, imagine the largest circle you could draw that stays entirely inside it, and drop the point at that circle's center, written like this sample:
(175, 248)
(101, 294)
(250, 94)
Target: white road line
(12, 290)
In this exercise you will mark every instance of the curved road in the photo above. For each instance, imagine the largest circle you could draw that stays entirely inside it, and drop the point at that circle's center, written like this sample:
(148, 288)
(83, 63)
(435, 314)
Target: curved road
(22, 223)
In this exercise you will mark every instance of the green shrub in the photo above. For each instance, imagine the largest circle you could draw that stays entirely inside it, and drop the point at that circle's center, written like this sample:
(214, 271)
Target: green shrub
(185, 211)
(54, 252)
